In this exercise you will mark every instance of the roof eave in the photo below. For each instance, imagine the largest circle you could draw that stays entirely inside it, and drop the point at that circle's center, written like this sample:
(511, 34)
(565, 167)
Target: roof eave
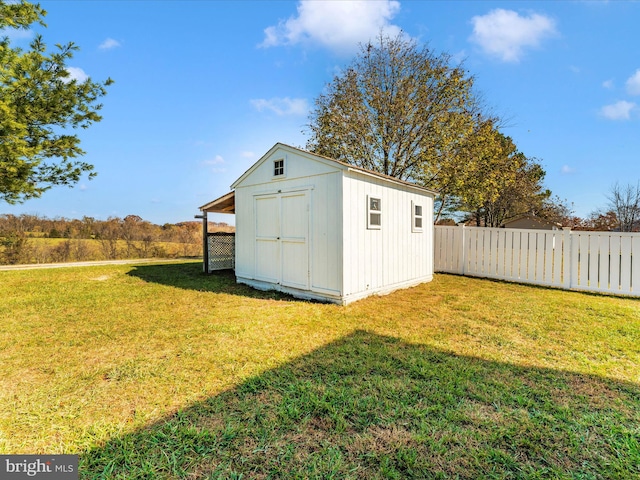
(224, 204)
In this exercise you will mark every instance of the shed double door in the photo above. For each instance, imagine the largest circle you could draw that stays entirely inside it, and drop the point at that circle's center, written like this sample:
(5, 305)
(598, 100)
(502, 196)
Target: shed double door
(282, 239)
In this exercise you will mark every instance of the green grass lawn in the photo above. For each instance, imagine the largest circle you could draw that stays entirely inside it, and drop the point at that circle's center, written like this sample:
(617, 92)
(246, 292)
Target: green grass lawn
(157, 371)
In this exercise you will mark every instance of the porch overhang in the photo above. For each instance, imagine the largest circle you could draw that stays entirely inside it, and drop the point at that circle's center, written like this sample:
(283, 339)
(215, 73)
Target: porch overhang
(224, 204)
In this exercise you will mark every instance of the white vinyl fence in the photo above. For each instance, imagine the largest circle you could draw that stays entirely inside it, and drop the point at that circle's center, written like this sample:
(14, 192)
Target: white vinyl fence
(596, 261)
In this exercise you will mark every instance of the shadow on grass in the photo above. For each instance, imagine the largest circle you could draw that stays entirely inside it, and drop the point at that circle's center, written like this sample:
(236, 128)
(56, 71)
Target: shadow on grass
(369, 406)
(190, 276)
(534, 286)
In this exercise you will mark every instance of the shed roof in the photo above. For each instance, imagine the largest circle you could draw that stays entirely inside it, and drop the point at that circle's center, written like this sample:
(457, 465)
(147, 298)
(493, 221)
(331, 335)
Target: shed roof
(226, 203)
(333, 162)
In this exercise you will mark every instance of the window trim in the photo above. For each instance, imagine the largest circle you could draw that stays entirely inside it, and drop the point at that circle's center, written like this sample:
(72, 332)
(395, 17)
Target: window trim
(415, 216)
(370, 211)
(284, 168)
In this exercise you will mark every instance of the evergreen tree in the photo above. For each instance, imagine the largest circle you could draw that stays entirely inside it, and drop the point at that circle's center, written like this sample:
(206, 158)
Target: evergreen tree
(40, 107)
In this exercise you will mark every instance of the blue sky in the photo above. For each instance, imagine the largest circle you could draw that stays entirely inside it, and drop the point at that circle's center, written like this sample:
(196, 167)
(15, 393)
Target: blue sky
(204, 88)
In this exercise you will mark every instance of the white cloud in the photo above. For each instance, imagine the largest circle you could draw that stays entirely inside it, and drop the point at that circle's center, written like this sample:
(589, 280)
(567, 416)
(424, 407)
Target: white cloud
(76, 73)
(459, 57)
(566, 169)
(16, 34)
(214, 164)
(282, 106)
(618, 111)
(109, 43)
(505, 34)
(337, 25)
(608, 84)
(247, 154)
(203, 143)
(633, 83)
(217, 160)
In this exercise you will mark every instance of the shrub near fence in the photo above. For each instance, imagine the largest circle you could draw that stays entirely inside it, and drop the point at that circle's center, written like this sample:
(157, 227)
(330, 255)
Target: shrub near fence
(595, 261)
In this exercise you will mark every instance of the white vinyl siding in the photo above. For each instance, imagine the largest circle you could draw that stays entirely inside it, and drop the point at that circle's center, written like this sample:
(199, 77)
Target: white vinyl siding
(333, 254)
(323, 199)
(377, 260)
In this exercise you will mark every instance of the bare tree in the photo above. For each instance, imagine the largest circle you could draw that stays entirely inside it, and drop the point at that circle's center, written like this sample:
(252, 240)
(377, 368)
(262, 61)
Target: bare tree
(108, 233)
(14, 248)
(624, 201)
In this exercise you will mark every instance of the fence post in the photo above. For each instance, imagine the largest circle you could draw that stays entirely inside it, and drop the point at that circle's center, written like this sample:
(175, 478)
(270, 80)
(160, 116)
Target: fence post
(463, 254)
(566, 257)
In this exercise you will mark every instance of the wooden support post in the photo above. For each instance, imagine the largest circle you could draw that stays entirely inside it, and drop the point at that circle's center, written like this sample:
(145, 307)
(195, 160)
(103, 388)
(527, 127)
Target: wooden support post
(205, 242)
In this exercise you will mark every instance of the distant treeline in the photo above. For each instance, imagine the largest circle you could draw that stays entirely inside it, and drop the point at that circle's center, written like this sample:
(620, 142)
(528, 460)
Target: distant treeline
(35, 239)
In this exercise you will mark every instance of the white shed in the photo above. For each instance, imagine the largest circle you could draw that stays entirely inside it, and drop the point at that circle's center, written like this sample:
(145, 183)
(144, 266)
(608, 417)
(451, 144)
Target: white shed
(321, 229)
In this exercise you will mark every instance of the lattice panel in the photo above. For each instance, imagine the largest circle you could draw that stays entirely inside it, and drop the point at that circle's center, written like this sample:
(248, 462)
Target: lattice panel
(222, 248)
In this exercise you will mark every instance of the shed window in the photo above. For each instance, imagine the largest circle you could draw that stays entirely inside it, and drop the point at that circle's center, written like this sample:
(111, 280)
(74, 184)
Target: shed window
(374, 213)
(278, 167)
(416, 217)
